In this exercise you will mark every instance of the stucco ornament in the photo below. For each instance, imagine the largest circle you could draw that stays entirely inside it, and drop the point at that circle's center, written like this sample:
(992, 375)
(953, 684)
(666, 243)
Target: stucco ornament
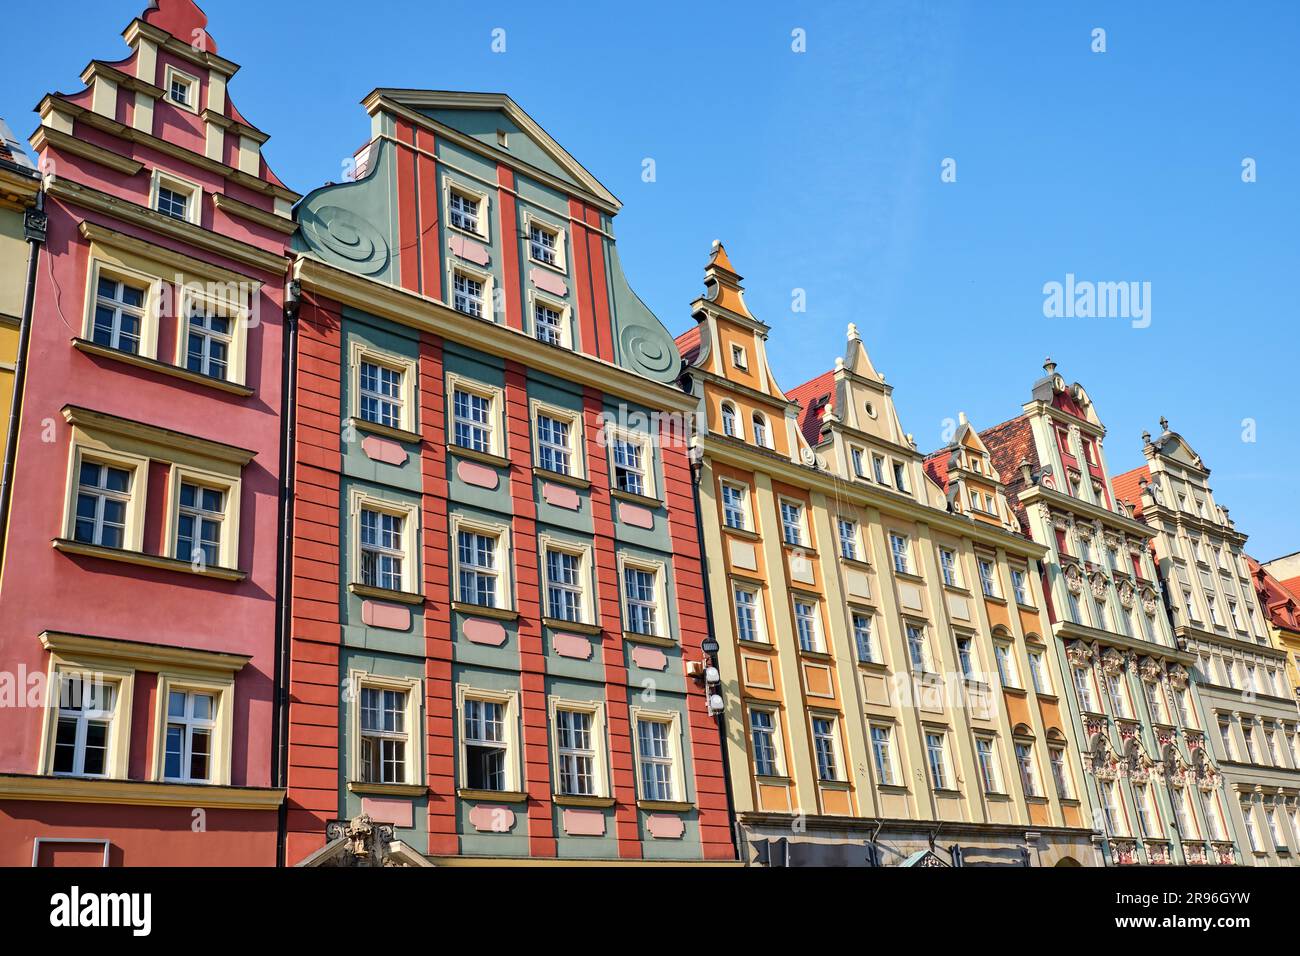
(341, 236)
(1137, 763)
(1173, 767)
(1103, 763)
(1112, 662)
(1148, 601)
(1099, 584)
(1079, 655)
(1126, 595)
(1207, 778)
(1157, 854)
(1150, 670)
(1074, 580)
(1178, 677)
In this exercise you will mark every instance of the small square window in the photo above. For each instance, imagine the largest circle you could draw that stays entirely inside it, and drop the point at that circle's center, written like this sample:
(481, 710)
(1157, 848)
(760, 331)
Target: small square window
(739, 358)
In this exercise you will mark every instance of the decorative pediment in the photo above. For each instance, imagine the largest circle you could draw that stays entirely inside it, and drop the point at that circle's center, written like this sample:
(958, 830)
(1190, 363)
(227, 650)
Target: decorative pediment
(1079, 655)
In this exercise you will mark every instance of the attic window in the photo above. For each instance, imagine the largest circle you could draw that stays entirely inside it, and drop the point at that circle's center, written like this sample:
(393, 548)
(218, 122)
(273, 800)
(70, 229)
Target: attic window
(182, 89)
(870, 408)
(503, 139)
(738, 357)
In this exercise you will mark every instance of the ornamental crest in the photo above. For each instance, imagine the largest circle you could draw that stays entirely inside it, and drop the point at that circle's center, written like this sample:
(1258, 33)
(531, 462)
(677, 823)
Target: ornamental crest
(1150, 670)
(1074, 580)
(1148, 601)
(1112, 662)
(1126, 595)
(1178, 677)
(1099, 586)
(1079, 655)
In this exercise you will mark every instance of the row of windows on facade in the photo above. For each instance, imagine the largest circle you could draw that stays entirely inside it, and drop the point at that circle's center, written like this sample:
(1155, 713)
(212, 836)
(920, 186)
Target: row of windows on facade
(769, 757)
(489, 742)
(1275, 752)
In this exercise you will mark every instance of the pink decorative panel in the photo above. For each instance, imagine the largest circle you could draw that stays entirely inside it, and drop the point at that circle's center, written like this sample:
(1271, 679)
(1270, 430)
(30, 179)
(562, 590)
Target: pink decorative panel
(392, 617)
(663, 826)
(548, 281)
(469, 250)
(479, 631)
(381, 449)
(562, 496)
(635, 515)
(397, 812)
(584, 822)
(571, 645)
(651, 658)
(492, 819)
(472, 473)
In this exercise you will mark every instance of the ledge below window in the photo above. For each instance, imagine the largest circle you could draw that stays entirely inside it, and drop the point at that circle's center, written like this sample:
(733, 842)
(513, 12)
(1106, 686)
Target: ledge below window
(483, 610)
(558, 478)
(482, 457)
(388, 789)
(137, 792)
(164, 368)
(498, 796)
(385, 594)
(575, 800)
(672, 806)
(68, 546)
(633, 498)
(396, 434)
(577, 627)
(655, 639)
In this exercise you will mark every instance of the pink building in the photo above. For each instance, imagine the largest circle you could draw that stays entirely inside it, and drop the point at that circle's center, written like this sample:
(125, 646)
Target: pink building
(137, 603)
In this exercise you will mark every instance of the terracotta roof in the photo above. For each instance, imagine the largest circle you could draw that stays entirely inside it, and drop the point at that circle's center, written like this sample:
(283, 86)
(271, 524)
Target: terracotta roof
(688, 343)
(1128, 487)
(1292, 585)
(1281, 606)
(936, 466)
(1008, 444)
(815, 397)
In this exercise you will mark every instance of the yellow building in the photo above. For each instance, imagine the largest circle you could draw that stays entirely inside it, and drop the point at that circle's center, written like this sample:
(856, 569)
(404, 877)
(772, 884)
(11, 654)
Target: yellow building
(19, 186)
(883, 643)
(1279, 580)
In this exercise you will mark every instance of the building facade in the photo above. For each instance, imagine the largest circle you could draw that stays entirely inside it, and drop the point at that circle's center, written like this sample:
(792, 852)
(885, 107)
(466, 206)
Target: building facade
(19, 187)
(1277, 583)
(863, 623)
(496, 599)
(1150, 773)
(138, 608)
(1240, 674)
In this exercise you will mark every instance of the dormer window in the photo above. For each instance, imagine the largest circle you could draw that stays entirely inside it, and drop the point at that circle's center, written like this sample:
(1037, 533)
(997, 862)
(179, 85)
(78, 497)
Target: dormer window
(182, 89)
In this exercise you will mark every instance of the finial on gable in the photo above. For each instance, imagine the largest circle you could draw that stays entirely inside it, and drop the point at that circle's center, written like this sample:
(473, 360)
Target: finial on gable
(839, 362)
(1164, 423)
(1146, 437)
(853, 332)
(1048, 365)
(961, 419)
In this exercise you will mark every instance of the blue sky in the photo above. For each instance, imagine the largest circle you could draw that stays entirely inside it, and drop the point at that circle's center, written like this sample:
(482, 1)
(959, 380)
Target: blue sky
(820, 171)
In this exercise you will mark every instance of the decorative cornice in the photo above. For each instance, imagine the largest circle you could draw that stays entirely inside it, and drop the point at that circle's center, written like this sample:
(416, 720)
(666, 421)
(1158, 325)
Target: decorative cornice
(140, 793)
(64, 143)
(243, 210)
(206, 447)
(1079, 507)
(85, 646)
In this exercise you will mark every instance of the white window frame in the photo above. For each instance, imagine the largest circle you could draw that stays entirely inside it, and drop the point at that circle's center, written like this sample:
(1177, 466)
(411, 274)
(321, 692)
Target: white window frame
(890, 748)
(192, 191)
(360, 352)
(760, 614)
(905, 553)
(502, 558)
(853, 539)
(672, 721)
(873, 645)
(600, 761)
(509, 703)
(558, 233)
(488, 294)
(659, 572)
(220, 727)
(83, 448)
(989, 764)
(232, 491)
(482, 229)
(800, 523)
(945, 762)
(777, 739)
(836, 749)
(118, 717)
(495, 425)
(113, 272)
(950, 572)
(818, 640)
(586, 588)
(192, 84)
(413, 727)
(614, 435)
(727, 412)
(359, 499)
(575, 440)
(564, 325)
(746, 524)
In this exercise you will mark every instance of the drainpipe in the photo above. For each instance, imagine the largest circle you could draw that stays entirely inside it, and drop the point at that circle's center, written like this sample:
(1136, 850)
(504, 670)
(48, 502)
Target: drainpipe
(35, 223)
(697, 470)
(284, 570)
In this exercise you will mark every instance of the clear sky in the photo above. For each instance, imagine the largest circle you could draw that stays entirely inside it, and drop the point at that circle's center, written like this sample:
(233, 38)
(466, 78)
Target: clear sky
(821, 171)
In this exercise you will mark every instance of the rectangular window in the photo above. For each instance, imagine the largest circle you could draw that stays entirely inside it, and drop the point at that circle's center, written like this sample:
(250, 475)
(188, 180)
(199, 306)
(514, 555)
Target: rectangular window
(948, 566)
(1118, 696)
(862, 637)
(734, 512)
(916, 649)
(202, 514)
(630, 474)
(83, 728)
(382, 550)
(900, 476)
(655, 757)
(641, 599)
(381, 395)
(548, 324)
(1006, 665)
(848, 539)
(738, 357)
(988, 578)
(576, 752)
(1028, 769)
(1147, 823)
(207, 344)
(749, 615)
(762, 731)
(988, 765)
(859, 467)
(486, 745)
(966, 658)
(1156, 703)
(805, 619)
(1083, 685)
(119, 315)
(384, 735)
(463, 211)
(477, 573)
(878, 466)
(467, 295)
(472, 420)
(103, 502)
(564, 586)
(898, 546)
(541, 244)
(1038, 673)
(1112, 815)
(1248, 817)
(792, 523)
(187, 754)
(937, 757)
(179, 92)
(555, 443)
(1060, 773)
(882, 750)
(825, 746)
(174, 203)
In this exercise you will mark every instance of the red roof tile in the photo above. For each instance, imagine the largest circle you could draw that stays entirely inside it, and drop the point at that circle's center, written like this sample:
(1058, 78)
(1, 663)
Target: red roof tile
(1281, 606)
(815, 397)
(1128, 487)
(1008, 445)
(688, 343)
(936, 466)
